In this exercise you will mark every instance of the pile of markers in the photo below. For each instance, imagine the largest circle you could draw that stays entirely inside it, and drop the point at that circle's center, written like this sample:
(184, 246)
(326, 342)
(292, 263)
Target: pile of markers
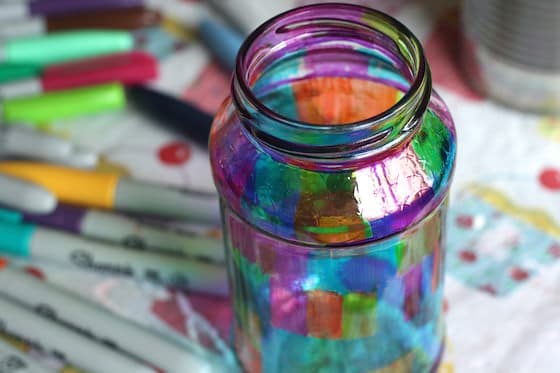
(63, 59)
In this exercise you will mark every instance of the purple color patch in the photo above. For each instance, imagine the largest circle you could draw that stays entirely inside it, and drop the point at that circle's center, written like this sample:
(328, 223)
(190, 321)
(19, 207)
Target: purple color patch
(242, 237)
(288, 263)
(53, 7)
(288, 304)
(413, 279)
(412, 284)
(64, 217)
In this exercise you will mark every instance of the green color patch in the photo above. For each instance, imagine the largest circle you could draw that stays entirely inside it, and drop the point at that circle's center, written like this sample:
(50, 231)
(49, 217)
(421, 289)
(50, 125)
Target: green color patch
(358, 315)
(428, 144)
(327, 230)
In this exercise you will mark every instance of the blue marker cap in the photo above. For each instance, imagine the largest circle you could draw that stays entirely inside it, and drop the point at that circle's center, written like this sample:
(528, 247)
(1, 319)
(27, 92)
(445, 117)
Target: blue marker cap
(223, 41)
(15, 239)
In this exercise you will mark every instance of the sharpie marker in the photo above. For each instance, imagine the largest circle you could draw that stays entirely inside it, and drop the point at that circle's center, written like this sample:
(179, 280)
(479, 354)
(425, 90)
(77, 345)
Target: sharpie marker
(179, 115)
(30, 241)
(222, 40)
(55, 363)
(128, 232)
(63, 104)
(17, 141)
(109, 191)
(111, 19)
(85, 353)
(23, 9)
(126, 68)
(14, 361)
(63, 46)
(22, 195)
(249, 14)
(101, 324)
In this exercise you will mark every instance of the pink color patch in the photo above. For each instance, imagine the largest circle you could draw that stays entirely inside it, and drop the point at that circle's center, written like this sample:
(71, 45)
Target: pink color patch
(519, 274)
(488, 289)
(174, 153)
(216, 310)
(288, 306)
(550, 179)
(554, 250)
(168, 310)
(443, 53)
(468, 256)
(465, 221)
(210, 89)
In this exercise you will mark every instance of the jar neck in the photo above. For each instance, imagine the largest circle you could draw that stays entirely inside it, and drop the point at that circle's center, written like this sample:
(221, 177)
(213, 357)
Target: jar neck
(331, 40)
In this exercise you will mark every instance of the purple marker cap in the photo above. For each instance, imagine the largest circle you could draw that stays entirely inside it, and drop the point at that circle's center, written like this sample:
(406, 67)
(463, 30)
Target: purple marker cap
(54, 7)
(64, 217)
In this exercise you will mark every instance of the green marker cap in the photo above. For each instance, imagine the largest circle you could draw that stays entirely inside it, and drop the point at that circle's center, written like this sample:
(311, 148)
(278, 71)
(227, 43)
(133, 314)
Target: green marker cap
(64, 104)
(10, 71)
(64, 46)
(15, 239)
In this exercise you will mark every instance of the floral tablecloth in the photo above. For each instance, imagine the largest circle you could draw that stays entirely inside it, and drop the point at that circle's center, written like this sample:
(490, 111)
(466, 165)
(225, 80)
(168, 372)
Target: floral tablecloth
(503, 244)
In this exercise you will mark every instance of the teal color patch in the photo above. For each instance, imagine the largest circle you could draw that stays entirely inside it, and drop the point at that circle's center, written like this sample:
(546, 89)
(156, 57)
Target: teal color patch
(493, 251)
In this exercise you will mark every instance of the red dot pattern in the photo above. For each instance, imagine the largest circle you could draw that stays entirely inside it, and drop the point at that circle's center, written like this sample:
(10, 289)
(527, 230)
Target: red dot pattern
(174, 153)
(550, 179)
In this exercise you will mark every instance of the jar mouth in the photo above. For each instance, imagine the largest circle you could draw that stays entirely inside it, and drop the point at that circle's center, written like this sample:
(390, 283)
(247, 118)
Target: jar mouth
(385, 35)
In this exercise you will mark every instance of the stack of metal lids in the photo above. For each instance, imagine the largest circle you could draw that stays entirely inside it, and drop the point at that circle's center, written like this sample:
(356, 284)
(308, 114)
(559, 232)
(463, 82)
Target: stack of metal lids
(512, 51)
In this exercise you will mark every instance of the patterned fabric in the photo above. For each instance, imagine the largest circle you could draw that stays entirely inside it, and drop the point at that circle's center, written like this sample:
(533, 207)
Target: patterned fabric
(502, 288)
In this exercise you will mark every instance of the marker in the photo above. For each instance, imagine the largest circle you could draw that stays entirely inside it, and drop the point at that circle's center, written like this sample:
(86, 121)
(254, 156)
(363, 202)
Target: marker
(178, 114)
(54, 363)
(223, 41)
(63, 104)
(22, 195)
(249, 14)
(22, 9)
(14, 361)
(17, 141)
(63, 46)
(82, 315)
(112, 19)
(126, 68)
(31, 241)
(126, 231)
(86, 354)
(109, 191)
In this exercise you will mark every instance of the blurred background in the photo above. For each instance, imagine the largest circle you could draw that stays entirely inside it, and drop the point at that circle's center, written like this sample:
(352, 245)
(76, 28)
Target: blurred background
(106, 107)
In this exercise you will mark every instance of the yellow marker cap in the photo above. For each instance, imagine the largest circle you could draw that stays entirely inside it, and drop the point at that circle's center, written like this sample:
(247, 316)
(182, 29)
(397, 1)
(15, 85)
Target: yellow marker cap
(75, 186)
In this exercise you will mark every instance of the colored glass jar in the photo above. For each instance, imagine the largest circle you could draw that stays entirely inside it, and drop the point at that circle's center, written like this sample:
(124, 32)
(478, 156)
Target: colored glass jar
(333, 159)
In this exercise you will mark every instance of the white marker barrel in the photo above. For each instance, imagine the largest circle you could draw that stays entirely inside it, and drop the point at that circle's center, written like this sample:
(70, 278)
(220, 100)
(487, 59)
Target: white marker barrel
(102, 324)
(55, 338)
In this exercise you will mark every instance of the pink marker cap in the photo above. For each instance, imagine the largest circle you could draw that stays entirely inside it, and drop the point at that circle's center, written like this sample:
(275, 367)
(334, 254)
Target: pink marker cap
(127, 68)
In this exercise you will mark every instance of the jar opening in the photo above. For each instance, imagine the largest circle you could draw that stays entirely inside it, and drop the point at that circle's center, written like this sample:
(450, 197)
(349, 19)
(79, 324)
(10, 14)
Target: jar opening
(324, 80)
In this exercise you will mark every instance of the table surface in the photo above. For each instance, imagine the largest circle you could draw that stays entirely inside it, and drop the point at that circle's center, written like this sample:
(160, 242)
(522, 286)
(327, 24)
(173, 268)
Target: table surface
(503, 274)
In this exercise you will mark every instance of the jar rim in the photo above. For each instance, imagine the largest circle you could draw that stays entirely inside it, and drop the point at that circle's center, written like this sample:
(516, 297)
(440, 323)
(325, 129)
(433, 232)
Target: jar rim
(417, 95)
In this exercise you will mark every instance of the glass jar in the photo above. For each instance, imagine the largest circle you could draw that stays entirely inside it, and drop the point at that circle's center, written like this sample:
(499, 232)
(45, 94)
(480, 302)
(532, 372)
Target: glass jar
(333, 159)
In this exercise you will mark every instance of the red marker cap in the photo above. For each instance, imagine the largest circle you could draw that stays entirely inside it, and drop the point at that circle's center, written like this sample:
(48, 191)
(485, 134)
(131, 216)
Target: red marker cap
(126, 68)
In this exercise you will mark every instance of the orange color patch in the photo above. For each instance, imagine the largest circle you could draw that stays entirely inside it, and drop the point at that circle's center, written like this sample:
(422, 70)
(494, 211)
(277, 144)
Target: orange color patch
(339, 100)
(324, 314)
